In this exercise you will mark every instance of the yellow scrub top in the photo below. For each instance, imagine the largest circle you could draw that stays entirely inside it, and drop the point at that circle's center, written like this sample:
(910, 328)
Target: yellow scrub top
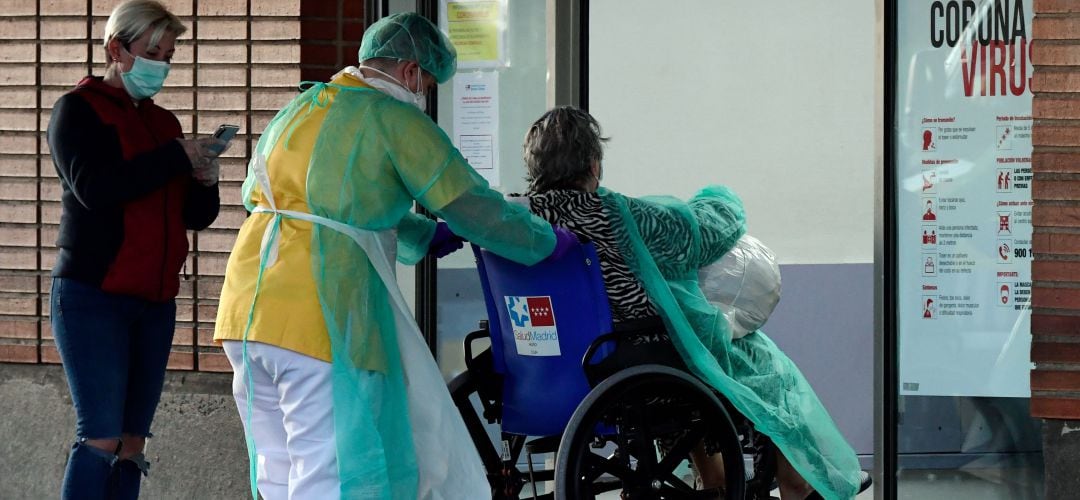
(288, 314)
(373, 161)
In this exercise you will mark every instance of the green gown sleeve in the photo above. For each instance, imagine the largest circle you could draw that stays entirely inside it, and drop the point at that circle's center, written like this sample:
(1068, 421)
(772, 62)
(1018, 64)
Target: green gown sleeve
(414, 234)
(433, 171)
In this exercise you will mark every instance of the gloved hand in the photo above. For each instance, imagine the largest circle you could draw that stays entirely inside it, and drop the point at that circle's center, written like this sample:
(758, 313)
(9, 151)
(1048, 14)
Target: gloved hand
(564, 241)
(204, 164)
(207, 173)
(444, 242)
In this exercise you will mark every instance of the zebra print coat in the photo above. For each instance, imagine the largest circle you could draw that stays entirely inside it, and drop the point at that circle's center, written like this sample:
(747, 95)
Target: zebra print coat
(583, 213)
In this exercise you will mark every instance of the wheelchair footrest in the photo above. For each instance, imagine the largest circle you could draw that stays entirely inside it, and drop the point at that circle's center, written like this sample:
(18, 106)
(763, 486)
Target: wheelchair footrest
(546, 444)
(543, 475)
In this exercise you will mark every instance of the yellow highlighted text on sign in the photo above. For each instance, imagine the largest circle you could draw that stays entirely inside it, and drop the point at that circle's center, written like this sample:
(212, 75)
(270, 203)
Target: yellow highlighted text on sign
(474, 30)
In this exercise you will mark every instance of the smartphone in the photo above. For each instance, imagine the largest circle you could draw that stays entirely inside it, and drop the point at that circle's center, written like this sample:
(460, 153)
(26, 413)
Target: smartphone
(226, 134)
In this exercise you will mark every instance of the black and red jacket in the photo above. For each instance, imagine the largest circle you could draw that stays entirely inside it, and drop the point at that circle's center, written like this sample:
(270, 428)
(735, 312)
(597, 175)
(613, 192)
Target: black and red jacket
(129, 197)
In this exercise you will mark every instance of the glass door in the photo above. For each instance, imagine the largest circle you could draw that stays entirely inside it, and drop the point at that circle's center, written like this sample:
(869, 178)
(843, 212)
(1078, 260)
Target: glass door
(961, 275)
(506, 79)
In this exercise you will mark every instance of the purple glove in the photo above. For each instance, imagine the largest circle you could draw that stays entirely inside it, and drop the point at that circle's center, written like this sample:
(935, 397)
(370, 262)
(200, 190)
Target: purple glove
(564, 241)
(444, 242)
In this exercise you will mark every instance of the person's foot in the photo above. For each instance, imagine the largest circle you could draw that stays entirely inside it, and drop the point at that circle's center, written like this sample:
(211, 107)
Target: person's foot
(864, 484)
(864, 481)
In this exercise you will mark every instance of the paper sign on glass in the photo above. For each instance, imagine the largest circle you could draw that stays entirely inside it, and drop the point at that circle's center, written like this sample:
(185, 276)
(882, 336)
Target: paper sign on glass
(476, 121)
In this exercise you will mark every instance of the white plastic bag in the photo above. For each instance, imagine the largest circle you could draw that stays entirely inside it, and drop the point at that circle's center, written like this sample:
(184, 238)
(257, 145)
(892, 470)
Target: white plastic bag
(744, 284)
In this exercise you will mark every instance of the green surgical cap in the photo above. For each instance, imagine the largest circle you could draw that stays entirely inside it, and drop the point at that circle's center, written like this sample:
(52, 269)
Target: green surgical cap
(408, 36)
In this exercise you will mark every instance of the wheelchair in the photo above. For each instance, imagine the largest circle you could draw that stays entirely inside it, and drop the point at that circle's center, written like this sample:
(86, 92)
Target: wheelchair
(613, 402)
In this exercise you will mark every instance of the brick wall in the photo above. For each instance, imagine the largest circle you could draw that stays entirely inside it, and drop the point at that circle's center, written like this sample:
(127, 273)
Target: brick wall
(238, 63)
(330, 32)
(1055, 322)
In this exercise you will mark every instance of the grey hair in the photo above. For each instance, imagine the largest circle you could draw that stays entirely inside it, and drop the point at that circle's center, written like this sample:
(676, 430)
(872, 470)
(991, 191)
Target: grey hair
(560, 149)
(131, 19)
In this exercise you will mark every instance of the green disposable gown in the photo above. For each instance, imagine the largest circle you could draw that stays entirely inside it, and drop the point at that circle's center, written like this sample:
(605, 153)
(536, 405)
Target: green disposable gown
(373, 157)
(665, 241)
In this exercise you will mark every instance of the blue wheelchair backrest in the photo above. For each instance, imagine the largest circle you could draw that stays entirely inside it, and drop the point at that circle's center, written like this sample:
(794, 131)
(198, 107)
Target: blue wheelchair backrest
(542, 319)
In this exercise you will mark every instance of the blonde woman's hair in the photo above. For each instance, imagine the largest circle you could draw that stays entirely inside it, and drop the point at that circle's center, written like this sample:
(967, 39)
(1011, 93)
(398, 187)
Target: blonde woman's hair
(131, 19)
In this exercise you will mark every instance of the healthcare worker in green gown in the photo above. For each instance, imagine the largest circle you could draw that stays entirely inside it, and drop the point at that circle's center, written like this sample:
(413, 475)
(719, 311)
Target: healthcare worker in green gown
(337, 391)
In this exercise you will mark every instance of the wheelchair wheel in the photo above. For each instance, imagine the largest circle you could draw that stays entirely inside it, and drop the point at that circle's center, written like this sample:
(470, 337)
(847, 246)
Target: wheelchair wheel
(634, 430)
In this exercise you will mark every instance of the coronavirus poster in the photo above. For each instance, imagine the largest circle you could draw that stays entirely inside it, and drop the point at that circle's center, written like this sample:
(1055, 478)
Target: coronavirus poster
(963, 131)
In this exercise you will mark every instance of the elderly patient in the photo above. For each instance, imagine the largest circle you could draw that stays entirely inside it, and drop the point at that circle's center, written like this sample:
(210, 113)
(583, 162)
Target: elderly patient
(650, 251)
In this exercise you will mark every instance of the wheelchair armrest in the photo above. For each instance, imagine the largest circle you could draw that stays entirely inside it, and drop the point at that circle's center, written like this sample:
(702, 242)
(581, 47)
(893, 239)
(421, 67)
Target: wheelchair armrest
(586, 361)
(486, 381)
(472, 337)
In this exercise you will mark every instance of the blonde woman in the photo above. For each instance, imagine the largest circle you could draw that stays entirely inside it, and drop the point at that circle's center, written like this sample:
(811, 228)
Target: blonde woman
(132, 187)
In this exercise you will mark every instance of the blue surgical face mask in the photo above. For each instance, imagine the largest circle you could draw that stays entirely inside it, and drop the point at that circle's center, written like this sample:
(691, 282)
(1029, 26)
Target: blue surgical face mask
(145, 78)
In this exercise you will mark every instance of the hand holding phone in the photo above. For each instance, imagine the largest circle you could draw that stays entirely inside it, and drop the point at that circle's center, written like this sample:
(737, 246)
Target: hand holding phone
(207, 173)
(223, 135)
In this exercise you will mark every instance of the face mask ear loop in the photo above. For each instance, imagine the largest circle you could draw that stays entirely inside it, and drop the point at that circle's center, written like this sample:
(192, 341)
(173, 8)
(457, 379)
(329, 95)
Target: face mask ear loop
(128, 52)
(145, 60)
(420, 82)
(395, 81)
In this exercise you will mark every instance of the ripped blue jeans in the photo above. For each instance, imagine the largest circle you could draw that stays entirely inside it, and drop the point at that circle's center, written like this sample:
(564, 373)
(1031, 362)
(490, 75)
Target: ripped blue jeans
(114, 349)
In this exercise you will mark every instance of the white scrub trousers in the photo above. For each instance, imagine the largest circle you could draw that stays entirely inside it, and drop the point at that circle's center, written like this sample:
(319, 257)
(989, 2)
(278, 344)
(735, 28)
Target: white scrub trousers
(292, 420)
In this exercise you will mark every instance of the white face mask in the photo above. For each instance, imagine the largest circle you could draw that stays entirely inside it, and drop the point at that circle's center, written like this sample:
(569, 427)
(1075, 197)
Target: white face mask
(398, 90)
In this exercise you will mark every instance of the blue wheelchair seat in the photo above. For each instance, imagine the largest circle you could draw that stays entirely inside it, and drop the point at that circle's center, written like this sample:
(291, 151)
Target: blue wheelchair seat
(542, 319)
